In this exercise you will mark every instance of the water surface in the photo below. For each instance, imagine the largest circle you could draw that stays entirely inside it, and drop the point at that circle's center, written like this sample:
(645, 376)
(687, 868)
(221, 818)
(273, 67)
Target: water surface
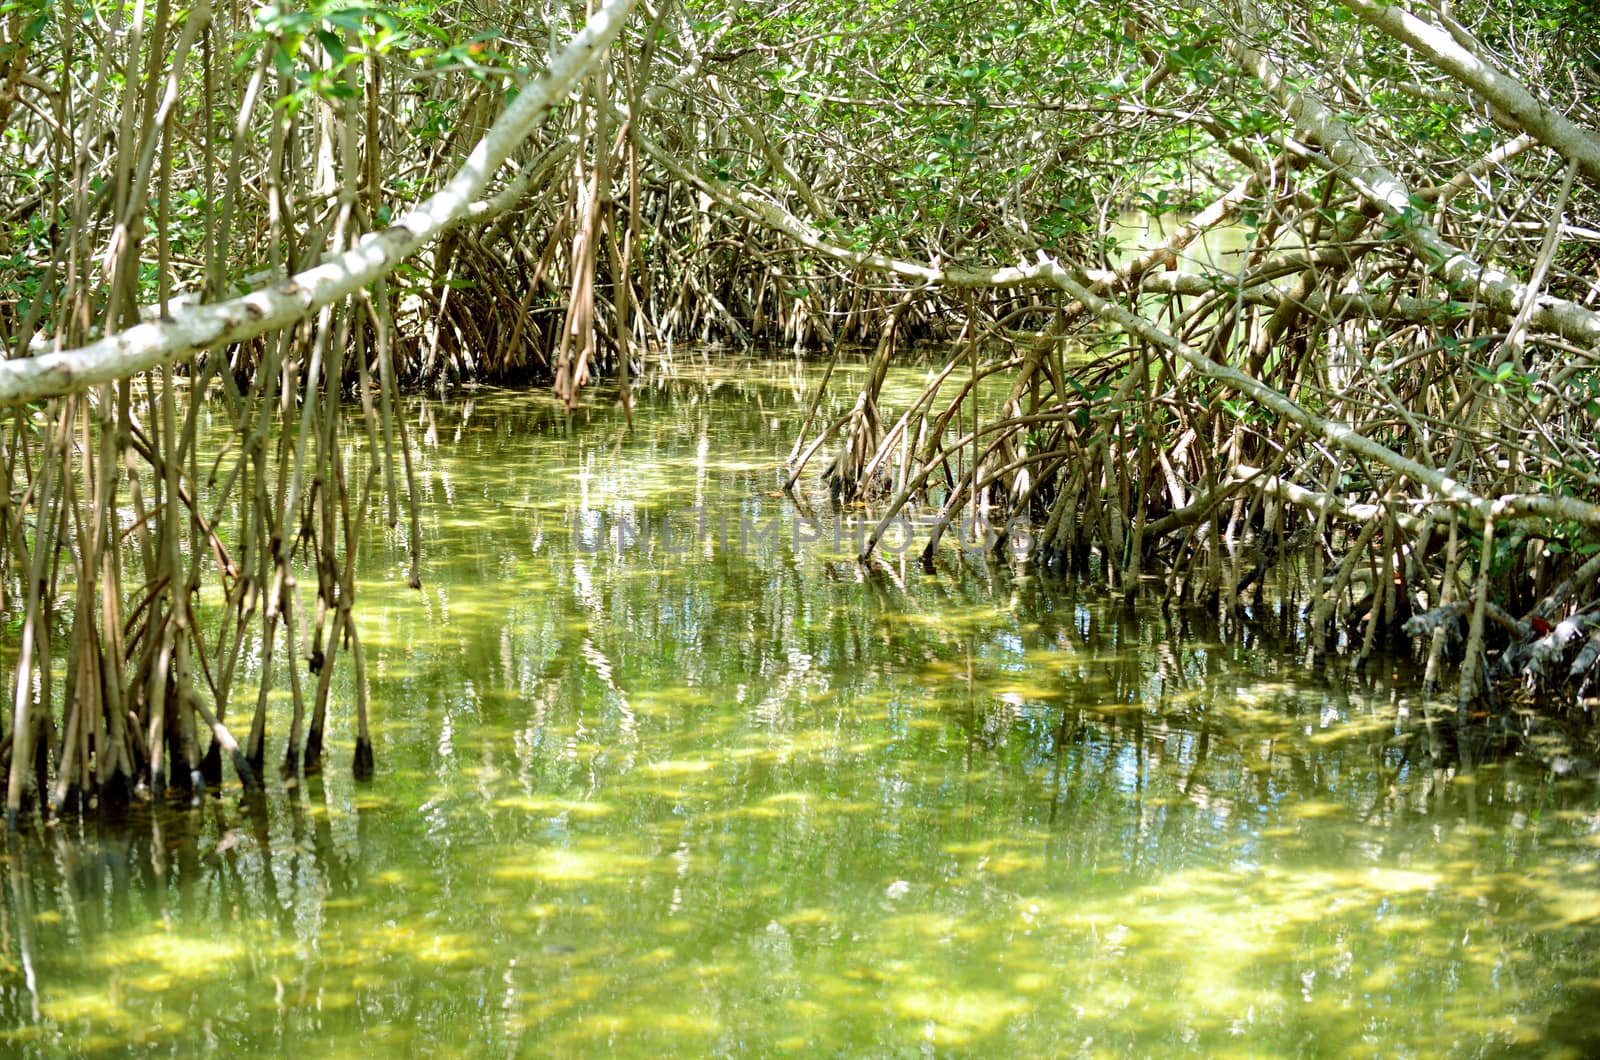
(645, 792)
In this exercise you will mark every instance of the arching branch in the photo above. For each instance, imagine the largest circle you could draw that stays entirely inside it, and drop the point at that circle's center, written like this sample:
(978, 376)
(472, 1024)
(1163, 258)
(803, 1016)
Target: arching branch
(199, 327)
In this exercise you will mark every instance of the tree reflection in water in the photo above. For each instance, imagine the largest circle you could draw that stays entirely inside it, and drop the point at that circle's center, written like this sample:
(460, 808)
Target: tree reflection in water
(761, 799)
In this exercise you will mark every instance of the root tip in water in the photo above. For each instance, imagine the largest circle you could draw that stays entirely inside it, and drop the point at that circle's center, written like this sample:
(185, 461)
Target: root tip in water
(247, 776)
(117, 790)
(72, 801)
(311, 762)
(211, 764)
(363, 767)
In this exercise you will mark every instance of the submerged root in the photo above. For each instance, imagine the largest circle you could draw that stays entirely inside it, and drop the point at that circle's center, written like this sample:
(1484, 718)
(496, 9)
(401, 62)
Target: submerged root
(363, 766)
(1130, 465)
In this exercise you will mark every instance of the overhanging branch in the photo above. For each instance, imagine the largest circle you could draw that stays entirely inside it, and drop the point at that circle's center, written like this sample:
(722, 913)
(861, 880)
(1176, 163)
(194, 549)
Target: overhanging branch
(199, 327)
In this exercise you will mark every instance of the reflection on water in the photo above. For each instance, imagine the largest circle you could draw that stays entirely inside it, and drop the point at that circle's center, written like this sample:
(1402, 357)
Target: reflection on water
(722, 796)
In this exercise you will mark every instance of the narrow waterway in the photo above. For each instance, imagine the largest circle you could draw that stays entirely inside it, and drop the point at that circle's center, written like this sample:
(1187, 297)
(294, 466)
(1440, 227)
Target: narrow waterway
(663, 771)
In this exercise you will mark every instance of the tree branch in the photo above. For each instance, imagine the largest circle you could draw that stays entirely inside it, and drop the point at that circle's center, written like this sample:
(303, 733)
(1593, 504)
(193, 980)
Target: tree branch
(198, 327)
(1550, 127)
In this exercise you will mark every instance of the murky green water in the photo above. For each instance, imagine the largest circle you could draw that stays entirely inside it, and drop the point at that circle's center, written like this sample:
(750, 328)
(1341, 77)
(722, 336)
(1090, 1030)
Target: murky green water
(682, 792)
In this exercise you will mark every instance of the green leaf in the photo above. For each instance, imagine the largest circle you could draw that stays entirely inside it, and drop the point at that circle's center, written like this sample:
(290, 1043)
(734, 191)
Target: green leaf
(282, 61)
(354, 21)
(333, 44)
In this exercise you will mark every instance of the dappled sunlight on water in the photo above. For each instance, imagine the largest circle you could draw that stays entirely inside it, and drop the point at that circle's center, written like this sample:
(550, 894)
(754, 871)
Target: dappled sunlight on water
(641, 794)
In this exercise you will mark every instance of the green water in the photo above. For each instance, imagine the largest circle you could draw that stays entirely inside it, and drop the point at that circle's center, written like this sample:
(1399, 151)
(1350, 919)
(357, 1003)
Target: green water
(704, 795)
